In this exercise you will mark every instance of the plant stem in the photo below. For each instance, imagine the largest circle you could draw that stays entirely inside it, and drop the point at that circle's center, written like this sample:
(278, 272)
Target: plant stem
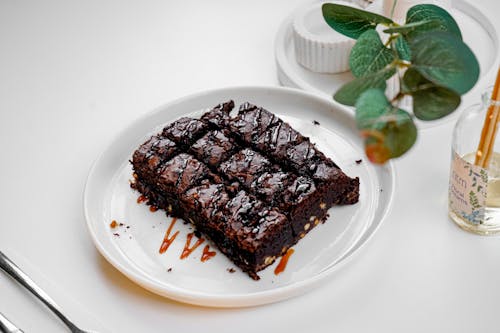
(391, 38)
(393, 8)
(403, 63)
(397, 97)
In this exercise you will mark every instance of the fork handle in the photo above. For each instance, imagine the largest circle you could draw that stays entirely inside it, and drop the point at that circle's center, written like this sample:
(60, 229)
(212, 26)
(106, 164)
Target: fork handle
(6, 326)
(17, 274)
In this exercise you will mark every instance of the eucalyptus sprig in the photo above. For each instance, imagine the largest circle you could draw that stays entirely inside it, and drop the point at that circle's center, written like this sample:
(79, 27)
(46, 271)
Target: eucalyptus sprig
(429, 59)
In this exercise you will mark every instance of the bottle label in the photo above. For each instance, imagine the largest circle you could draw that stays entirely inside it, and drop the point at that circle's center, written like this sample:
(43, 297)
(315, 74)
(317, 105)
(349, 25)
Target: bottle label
(468, 189)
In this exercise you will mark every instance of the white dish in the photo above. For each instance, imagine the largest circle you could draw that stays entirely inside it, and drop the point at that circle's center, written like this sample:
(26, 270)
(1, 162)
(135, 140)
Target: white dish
(135, 252)
(478, 32)
(398, 8)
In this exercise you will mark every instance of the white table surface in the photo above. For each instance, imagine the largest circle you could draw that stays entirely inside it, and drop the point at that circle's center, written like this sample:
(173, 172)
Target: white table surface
(73, 73)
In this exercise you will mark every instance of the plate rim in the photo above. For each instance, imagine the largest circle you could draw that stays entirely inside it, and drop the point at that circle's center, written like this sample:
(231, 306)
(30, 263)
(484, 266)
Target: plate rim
(233, 300)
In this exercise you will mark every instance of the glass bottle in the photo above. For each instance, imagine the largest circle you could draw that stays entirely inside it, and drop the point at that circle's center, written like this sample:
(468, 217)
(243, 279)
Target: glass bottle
(474, 191)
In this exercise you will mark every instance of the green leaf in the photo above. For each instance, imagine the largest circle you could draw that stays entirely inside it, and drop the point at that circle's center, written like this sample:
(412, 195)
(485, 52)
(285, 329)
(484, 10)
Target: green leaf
(445, 60)
(402, 48)
(371, 105)
(430, 101)
(350, 21)
(433, 13)
(410, 27)
(369, 55)
(389, 132)
(349, 93)
(400, 134)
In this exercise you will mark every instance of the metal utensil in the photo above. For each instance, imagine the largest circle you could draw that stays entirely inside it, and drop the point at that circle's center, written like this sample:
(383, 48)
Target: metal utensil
(17, 274)
(6, 326)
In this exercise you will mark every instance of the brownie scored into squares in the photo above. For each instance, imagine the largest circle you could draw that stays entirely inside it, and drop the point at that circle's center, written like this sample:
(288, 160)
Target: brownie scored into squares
(244, 228)
(250, 182)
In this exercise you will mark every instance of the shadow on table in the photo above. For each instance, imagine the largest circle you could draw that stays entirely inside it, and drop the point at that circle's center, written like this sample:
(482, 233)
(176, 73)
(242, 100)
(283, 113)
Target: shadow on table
(134, 290)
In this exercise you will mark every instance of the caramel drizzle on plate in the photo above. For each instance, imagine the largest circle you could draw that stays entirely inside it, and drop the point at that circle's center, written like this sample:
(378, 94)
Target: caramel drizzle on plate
(284, 260)
(167, 240)
(207, 254)
(187, 249)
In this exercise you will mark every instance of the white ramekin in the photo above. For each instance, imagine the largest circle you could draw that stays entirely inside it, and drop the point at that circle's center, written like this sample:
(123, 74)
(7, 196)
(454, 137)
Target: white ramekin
(318, 47)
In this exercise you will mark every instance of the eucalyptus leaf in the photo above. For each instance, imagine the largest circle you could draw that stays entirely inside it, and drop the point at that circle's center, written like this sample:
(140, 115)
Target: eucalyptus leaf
(349, 93)
(408, 28)
(402, 48)
(350, 21)
(369, 55)
(401, 134)
(438, 18)
(445, 60)
(389, 132)
(430, 101)
(439, 68)
(370, 107)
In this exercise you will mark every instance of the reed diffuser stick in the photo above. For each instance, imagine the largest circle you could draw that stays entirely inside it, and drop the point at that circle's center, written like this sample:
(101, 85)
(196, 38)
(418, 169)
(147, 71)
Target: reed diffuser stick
(489, 132)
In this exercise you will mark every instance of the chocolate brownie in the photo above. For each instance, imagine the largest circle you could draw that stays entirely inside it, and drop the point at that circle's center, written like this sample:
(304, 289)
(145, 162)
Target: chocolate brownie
(218, 116)
(250, 182)
(213, 148)
(252, 122)
(180, 173)
(185, 131)
(270, 185)
(250, 233)
(245, 166)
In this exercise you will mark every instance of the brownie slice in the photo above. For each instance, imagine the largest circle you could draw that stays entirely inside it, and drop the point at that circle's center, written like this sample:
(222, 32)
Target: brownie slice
(180, 173)
(150, 155)
(213, 148)
(338, 187)
(218, 116)
(252, 122)
(176, 176)
(270, 186)
(304, 205)
(185, 131)
(245, 166)
(204, 206)
(277, 139)
(146, 161)
(256, 235)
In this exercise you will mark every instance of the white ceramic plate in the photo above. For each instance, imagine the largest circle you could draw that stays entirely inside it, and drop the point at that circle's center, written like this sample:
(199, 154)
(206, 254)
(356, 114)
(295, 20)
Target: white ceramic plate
(134, 252)
(478, 32)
